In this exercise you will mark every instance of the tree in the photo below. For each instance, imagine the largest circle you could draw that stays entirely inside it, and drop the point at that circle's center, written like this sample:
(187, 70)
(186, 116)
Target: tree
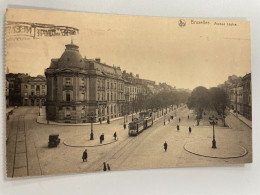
(219, 101)
(199, 100)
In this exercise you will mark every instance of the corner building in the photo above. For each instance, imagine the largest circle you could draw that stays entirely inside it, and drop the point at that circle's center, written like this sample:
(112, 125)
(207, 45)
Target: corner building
(78, 88)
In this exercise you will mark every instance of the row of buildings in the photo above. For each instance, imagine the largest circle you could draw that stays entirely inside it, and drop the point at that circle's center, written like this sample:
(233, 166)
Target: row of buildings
(240, 96)
(83, 90)
(24, 90)
(79, 90)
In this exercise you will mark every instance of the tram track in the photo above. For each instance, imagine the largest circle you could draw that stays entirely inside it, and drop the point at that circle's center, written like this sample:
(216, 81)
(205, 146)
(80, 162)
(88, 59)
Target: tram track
(117, 151)
(20, 162)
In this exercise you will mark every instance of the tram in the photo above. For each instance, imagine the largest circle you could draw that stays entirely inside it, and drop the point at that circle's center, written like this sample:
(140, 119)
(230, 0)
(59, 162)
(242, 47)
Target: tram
(138, 125)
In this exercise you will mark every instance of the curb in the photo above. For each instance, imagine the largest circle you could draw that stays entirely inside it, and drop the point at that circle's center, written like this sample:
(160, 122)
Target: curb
(89, 146)
(207, 156)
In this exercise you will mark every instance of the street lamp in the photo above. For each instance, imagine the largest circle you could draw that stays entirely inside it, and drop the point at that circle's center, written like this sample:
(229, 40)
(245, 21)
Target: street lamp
(213, 121)
(91, 116)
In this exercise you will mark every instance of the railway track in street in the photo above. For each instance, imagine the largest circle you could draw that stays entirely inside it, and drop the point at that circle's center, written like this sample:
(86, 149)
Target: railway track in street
(20, 159)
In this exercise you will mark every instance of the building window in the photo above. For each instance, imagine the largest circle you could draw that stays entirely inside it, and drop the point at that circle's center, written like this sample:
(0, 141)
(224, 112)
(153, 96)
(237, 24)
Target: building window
(111, 109)
(32, 86)
(32, 93)
(25, 86)
(43, 86)
(108, 84)
(43, 93)
(67, 96)
(115, 96)
(32, 102)
(67, 81)
(111, 96)
(98, 96)
(111, 85)
(107, 96)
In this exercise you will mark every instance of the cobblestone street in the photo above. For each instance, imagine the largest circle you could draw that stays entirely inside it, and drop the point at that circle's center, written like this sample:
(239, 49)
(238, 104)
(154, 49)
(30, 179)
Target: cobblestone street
(143, 151)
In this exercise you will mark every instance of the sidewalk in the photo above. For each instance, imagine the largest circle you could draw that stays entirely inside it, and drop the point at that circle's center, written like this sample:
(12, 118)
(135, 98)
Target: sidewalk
(42, 119)
(242, 118)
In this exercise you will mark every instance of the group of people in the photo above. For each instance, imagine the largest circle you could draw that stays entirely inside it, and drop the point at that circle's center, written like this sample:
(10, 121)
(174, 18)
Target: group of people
(101, 138)
(85, 159)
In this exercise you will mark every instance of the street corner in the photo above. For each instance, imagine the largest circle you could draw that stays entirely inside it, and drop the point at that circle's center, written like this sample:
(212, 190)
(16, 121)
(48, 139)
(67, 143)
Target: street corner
(83, 140)
(223, 150)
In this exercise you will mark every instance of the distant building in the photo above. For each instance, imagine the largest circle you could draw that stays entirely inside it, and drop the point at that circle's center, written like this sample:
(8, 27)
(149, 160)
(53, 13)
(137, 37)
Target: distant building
(25, 90)
(247, 96)
(240, 96)
(15, 88)
(33, 91)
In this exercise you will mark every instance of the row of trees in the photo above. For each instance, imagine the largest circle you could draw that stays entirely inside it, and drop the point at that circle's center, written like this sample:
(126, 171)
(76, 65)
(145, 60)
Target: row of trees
(162, 99)
(214, 98)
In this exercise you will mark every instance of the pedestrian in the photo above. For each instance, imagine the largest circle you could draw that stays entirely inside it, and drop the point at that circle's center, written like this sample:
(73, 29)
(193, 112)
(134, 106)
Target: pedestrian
(108, 167)
(100, 138)
(85, 156)
(179, 120)
(105, 167)
(165, 145)
(178, 127)
(188, 117)
(115, 136)
(190, 130)
(169, 119)
(124, 126)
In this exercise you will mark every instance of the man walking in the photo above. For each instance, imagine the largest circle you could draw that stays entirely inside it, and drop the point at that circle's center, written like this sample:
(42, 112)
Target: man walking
(115, 136)
(179, 120)
(190, 130)
(85, 156)
(105, 167)
(108, 167)
(165, 145)
(178, 127)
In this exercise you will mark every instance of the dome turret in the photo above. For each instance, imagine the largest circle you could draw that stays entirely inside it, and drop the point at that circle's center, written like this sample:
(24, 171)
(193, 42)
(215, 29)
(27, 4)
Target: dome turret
(71, 58)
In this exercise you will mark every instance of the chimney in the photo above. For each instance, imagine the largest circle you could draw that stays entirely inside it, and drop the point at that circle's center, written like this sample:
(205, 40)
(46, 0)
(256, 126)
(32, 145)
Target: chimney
(124, 72)
(97, 60)
(137, 75)
(131, 74)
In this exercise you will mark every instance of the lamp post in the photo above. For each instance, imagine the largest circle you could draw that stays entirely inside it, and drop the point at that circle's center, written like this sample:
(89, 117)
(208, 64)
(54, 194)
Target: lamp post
(91, 116)
(213, 121)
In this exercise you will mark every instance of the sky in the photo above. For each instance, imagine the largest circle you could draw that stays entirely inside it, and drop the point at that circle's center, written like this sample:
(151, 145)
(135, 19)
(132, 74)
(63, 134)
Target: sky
(197, 54)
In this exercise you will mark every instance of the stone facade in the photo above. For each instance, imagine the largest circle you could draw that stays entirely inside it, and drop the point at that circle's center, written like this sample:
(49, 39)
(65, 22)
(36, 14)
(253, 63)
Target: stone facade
(80, 88)
(33, 91)
(247, 96)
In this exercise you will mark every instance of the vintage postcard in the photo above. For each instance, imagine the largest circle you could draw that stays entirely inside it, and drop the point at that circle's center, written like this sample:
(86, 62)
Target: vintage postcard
(98, 92)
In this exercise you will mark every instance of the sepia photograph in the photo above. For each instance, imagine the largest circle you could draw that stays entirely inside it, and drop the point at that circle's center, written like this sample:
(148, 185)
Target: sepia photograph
(89, 92)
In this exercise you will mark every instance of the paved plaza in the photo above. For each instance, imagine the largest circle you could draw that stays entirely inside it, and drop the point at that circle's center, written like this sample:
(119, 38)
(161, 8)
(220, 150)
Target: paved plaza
(28, 153)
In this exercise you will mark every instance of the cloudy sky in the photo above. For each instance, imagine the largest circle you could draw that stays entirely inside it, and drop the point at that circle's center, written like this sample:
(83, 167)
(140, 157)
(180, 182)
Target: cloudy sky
(155, 48)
